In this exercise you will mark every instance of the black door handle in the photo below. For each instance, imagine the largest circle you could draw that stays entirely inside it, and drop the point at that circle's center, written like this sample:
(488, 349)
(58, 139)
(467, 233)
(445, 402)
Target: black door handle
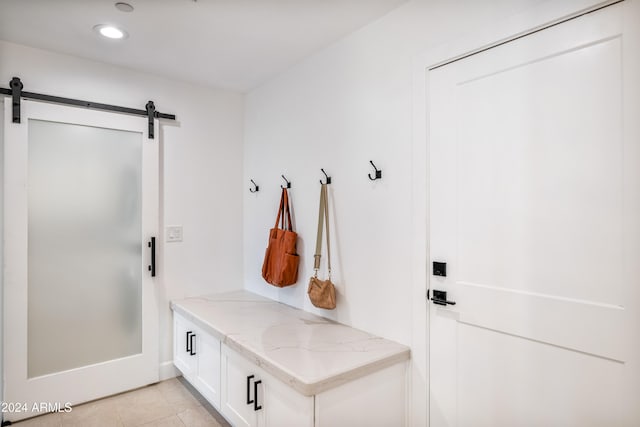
(152, 267)
(256, 407)
(442, 302)
(440, 298)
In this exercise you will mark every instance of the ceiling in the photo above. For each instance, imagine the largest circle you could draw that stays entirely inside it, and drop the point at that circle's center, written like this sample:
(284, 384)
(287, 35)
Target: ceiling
(233, 44)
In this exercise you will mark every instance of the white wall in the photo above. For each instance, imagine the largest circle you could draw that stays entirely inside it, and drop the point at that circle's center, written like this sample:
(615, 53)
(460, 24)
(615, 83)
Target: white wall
(201, 157)
(336, 110)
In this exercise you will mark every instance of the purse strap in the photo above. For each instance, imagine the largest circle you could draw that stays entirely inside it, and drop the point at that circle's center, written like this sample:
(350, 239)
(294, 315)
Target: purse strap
(323, 216)
(284, 211)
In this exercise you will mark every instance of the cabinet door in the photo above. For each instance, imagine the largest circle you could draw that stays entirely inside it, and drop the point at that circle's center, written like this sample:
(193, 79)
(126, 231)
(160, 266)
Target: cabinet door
(252, 397)
(183, 341)
(207, 378)
(237, 393)
(375, 400)
(282, 405)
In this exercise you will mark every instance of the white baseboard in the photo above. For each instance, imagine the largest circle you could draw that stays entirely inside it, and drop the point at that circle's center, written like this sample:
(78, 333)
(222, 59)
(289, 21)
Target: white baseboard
(167, 370)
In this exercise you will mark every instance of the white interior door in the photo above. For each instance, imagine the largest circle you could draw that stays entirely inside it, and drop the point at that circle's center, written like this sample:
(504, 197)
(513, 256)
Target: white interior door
(534, 188)
(81, 203)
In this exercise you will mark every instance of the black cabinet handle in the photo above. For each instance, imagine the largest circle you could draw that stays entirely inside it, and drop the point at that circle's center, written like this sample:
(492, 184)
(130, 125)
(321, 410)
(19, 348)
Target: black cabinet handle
(249, 400)
(188, 342)
(192, 349)
(152, 267)
(256, 407)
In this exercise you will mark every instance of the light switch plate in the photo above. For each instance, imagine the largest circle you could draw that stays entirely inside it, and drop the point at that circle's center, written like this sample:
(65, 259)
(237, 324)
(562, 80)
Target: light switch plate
(174, 233)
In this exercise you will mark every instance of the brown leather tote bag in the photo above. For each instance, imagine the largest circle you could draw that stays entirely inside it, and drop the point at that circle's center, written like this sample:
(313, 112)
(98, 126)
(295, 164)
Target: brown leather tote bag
(280, 266)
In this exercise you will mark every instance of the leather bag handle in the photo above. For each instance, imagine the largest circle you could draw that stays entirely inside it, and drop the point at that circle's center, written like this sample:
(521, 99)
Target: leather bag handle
(323, 217)
(284, 211)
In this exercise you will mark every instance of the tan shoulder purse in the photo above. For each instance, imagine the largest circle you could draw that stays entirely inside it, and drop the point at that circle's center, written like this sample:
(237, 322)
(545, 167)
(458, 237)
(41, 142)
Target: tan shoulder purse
(322, 293)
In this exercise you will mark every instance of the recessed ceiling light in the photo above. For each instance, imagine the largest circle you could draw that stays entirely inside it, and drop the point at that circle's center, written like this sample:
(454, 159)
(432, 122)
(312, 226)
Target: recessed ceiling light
(110, 31)
(124, 7)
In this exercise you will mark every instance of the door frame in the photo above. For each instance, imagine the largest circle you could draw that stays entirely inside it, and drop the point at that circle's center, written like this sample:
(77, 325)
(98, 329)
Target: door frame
(15, 225)
(530, 21)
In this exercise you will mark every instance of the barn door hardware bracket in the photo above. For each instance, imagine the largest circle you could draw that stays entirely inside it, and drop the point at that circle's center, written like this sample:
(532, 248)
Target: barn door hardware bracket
(151, 113)
(16, 93)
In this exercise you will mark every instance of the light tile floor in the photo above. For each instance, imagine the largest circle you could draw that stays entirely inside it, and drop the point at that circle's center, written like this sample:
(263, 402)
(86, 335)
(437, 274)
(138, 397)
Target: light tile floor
(171, 403)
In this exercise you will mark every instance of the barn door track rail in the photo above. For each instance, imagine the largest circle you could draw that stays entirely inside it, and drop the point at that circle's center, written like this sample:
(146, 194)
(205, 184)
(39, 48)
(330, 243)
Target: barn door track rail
(15, 91)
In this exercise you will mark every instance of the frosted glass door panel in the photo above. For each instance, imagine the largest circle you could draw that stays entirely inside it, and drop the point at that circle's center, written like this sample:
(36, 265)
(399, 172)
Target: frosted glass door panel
(84, 246)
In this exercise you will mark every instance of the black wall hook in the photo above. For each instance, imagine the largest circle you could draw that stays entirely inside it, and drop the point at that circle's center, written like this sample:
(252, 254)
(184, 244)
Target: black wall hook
(378, 172)
(288, 183)
(255, 187)
(328, 178)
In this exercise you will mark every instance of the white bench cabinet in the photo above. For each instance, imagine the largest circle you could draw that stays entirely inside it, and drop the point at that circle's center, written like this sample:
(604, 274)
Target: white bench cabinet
(264, 364)
(197, 355)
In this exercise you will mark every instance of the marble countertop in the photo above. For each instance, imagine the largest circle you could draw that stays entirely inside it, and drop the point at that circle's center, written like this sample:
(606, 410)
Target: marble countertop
(310, 353)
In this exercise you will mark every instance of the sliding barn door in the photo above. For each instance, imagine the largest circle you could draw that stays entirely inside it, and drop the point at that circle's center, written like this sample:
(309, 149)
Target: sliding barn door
(535, 209)
(81, 205)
